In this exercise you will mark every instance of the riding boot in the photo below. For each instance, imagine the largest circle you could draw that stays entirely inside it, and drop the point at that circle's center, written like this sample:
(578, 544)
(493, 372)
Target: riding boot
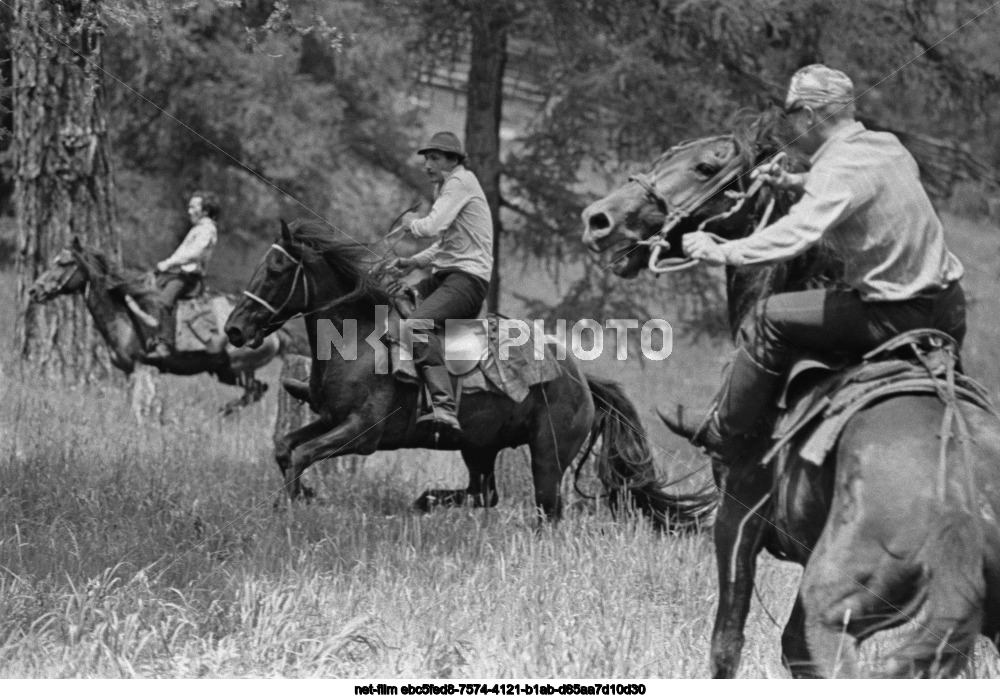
(747, 395)
(442, 414)
(164, 346)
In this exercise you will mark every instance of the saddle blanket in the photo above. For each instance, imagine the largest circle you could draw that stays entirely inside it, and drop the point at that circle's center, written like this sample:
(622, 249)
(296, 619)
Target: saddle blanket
(512, 376)
(200, 323)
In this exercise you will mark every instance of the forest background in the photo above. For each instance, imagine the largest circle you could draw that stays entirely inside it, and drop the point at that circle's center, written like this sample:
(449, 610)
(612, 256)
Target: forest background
(314, 109)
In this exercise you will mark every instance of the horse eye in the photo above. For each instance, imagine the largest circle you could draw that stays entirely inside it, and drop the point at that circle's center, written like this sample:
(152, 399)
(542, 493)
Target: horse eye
(706, 169)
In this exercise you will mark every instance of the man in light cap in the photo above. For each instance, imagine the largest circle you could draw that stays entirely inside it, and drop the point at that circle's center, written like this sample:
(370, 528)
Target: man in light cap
(863, 196)
(461, 262)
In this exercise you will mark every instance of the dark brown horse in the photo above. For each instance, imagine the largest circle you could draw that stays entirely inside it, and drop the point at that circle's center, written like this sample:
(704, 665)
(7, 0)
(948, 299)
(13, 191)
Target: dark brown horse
(879, 544)
(362, 409)
(79, 269)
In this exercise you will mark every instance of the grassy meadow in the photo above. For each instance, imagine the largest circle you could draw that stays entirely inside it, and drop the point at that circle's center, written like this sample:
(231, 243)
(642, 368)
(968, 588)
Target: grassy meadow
(155, 550)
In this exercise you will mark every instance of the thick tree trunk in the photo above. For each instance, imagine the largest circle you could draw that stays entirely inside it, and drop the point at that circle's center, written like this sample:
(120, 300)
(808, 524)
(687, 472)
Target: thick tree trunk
(61, 170)
(6, 116)
(490, 24)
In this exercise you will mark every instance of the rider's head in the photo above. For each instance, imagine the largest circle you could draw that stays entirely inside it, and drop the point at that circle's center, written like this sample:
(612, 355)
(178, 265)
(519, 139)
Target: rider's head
(819, 100)
(202, 204)
(442, 154)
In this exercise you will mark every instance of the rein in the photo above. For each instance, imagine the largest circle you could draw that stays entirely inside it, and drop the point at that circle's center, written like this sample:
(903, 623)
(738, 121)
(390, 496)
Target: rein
(299, 274)
(675, 212)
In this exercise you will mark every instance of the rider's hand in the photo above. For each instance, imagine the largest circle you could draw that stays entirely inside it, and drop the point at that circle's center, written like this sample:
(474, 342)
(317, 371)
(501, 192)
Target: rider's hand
(700, 246)
(405, 264)
(161, 266)
(773, 173)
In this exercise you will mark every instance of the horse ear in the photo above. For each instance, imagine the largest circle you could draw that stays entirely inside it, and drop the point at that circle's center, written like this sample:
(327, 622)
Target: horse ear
(286, 234)
(76, 244)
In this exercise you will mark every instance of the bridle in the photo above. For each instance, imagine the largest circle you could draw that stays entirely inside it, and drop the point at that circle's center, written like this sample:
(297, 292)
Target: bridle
(677, 211)
(299, 274)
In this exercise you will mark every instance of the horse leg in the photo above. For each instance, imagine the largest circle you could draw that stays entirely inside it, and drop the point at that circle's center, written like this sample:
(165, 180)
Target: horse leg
(482, 488)
(352, 436)
(253, 391)
(482, 478)
(283, 447)
(953, 608)
(795, 655)
(551, 455)
(738, 539)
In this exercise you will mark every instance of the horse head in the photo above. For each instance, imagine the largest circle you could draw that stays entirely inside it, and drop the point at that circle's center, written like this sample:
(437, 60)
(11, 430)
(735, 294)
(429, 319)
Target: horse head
(277, 291)
(307, 271)
(700, 184)
(67, 273)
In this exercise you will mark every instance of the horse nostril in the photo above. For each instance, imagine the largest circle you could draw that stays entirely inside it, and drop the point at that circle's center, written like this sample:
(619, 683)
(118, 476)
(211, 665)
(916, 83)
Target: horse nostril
(599, 223)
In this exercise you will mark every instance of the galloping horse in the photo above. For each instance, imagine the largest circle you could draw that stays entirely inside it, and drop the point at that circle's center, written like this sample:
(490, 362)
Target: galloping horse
(78, 269)
(880, 543)
(360, 409)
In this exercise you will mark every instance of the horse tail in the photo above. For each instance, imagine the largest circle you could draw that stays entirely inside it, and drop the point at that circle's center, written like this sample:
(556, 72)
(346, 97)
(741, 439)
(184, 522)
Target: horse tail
(626, 467)
(955, 597)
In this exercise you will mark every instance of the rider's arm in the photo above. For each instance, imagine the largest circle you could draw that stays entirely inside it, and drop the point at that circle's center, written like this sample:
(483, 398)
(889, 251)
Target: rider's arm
(425, 258)
(831, 194)
(198, 239)
(450, 202)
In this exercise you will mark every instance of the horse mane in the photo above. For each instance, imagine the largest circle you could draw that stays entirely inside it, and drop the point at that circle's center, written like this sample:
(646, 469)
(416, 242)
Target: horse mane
(324, 251)
(106, 274)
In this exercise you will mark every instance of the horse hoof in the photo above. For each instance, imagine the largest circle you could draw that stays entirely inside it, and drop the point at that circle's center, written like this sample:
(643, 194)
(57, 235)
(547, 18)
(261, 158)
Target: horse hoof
(425, 502)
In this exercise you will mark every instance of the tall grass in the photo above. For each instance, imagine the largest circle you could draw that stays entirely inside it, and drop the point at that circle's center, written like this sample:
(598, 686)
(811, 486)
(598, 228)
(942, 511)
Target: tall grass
(156, 551)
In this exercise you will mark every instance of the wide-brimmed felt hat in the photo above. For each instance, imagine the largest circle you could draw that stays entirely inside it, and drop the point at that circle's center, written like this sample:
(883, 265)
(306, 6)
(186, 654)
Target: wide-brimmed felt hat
(446, 142)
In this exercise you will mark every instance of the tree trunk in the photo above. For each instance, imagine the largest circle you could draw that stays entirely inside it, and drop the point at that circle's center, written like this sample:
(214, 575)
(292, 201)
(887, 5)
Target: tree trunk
(490, 24)
(6, 116)
(61, 170)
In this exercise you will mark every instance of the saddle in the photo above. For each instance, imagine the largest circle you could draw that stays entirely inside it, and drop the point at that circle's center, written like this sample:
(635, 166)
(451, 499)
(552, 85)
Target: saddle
(822, 394)
(473, 356)
(199, 320)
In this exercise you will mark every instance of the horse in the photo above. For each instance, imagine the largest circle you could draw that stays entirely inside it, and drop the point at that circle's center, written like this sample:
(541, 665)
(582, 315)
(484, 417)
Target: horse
(879, 543)
(360, 409)
(80, 269)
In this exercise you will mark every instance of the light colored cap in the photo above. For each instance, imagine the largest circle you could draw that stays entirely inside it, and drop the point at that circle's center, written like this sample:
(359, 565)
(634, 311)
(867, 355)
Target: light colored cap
(818, 85)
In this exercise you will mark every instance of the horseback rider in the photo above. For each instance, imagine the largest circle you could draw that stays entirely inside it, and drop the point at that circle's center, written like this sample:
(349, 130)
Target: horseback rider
(461, 263)
(183, 272)
(863, 196)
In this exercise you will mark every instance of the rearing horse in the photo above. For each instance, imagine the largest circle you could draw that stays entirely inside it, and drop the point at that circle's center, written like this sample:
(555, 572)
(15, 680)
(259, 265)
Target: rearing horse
(880, 543)
(80, 269)
(362, 408)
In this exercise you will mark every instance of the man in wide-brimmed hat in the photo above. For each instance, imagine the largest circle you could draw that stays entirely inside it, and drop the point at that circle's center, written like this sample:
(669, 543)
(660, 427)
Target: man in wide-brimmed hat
(863, 196)
(461, 262)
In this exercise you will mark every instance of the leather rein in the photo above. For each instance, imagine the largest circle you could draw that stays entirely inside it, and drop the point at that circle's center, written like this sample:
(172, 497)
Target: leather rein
(299, 274)
(675, 212)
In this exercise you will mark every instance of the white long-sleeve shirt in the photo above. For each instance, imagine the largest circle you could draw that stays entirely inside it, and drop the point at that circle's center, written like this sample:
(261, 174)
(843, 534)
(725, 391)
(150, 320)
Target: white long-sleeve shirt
(194, 253)
(863, 193)
(461, 218)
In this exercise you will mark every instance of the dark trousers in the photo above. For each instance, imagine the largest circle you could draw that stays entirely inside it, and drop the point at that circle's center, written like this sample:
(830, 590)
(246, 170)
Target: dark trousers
(825, 321)
(837, 320)
(445, 295)
(172, 286)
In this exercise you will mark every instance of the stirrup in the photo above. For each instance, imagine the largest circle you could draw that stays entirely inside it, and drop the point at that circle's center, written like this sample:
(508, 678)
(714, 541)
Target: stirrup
(445, 425)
